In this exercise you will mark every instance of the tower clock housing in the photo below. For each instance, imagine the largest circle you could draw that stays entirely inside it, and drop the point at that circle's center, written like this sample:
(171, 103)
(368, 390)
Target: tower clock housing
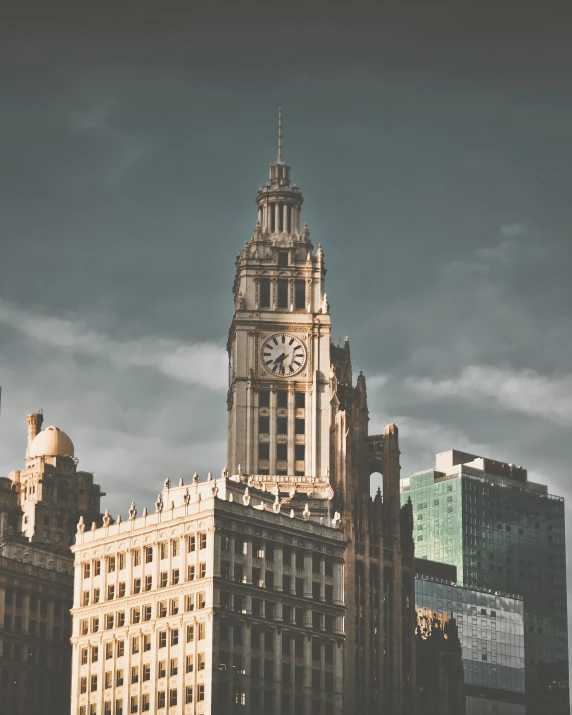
(279, 342)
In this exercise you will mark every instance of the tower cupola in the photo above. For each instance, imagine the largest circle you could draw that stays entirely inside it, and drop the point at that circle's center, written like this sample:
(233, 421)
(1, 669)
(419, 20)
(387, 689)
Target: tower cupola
(279, 205)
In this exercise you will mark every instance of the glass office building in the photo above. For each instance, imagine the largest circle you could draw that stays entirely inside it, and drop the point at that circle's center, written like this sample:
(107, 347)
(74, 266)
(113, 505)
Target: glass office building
(491, 631)
(503, 533)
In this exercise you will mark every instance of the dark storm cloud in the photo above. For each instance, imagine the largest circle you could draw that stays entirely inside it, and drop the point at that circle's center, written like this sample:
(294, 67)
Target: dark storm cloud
(432, 142)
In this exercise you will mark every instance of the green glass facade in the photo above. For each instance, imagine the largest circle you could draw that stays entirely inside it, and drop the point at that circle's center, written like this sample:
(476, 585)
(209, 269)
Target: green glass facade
(503, 535)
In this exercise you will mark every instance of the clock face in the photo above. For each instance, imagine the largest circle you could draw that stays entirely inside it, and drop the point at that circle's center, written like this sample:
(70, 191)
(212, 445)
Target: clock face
(283, 354)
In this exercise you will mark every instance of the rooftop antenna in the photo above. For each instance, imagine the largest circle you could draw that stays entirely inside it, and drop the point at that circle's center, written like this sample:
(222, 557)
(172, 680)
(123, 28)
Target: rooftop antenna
(279, 160)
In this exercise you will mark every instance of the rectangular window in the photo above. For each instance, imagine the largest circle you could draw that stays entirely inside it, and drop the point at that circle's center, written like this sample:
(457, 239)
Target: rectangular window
(264, 399)
(162, 609)
(148, 554)
(108, 621)
(201, 599)
(121, 590)
(172, 697)
(96, 567)
(136, 557)
(134, 704)
(164, 579)
(163, 550)
(93, 684)
(162, 639)
(148, 583)
(147, 641)
(175, 577)
(264, 451)
(94, 653)
(282, 425)
(83, 685)
(119, 707)
(145, 702)
(202, 569)
(174, 669)
(162, 668)
(108, 679)
(83, 626)
(94, 625)
(175, 636)
(202, 540)
(147, 612)
(135, 644)
(110, 564)
(173, 606)
(85, 599)
(121, 561)
(265, 292)
(189, 694)
(86, 569)
(136, 615)
(202, 630)
(84, 656)
(135, 674)
(161, 699)
(264, 425)
(201, 693)
(190, 633)
(299, 452)
(282, 452)
(190, 602)
(191, 573)
(96, 592)
(282, 284)
(120, 648)
(120, 620)
(191, 543)
(300, 426)
(189, 665)
(300, 295)
(146, 675)
(136, 585)
(200, 661)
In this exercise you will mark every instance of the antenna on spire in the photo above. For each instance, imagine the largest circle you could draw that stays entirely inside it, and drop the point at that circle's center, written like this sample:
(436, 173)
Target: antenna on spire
(279, 159)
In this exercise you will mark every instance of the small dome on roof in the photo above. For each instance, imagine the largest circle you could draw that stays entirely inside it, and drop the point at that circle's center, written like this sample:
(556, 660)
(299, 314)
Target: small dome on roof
(51, 442)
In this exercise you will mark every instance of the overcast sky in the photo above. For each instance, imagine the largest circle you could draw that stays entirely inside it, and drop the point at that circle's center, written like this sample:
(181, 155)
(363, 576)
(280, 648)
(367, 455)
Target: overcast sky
(434, 154)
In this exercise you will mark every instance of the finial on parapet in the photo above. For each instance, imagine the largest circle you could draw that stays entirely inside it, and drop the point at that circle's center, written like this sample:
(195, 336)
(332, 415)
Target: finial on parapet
(181, 482)
(276, 505)
(167, 483)
(196, 478)
(224, 474)
(106, 518)
(187, 496)
(337, 520)
(80, 525)
(246, 497)
(118, 520)
(209, 477)
(159, 504)
(279, 158)
(144, 511)
(132, 511)
(306, 513)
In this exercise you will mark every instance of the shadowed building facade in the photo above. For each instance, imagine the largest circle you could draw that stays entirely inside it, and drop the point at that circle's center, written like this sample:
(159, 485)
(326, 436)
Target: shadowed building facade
(39, 508)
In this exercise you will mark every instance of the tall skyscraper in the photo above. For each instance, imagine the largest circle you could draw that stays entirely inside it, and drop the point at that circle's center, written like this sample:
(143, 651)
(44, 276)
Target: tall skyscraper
(503, 533)
(39, 508)
(308, 582)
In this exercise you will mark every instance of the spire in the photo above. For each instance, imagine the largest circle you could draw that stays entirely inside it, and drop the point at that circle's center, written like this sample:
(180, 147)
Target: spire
(279, 158)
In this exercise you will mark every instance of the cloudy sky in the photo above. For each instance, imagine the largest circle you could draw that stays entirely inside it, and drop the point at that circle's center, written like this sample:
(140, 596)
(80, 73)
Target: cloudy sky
(434, 152)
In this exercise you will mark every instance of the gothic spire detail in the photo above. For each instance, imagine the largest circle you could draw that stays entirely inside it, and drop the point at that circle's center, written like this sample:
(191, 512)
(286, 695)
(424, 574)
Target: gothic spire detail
(279, 157)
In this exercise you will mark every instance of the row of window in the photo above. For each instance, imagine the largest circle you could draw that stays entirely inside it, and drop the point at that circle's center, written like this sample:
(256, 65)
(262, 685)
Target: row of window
(142, 613)
(282, 300)
(143, 704)
(164, 582)
(281, 425)
(282, 451)
(281, 399)
(119, 561)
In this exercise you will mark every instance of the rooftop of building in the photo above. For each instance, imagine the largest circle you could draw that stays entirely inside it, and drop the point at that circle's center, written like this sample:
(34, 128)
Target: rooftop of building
(228, 493)
(454, 463)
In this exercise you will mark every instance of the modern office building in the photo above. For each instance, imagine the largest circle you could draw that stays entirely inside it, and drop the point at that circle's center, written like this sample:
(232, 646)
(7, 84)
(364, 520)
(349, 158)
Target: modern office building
(220, 601)
(503, 533)
(491, 631)
(39, 508)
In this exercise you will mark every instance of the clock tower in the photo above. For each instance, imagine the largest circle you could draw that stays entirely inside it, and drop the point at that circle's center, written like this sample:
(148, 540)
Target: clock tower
(279, 343)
